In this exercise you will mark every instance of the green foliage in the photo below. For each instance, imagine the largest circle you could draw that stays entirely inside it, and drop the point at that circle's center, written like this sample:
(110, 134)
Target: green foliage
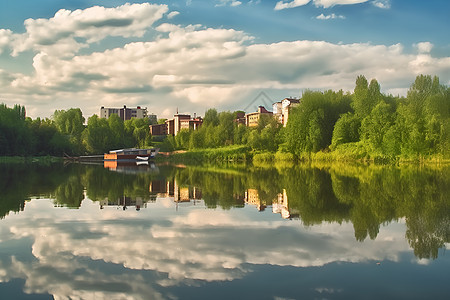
(25, 137)
(362, 125)
(230, 153)
(70, 123)
(264, 157)
(365, 96)
(423, 119)
(102, 135)
(211, 117)
(182, 139)
(376, 125)
(310, 126)
(346, 130)
(381, 127)
(98, 137)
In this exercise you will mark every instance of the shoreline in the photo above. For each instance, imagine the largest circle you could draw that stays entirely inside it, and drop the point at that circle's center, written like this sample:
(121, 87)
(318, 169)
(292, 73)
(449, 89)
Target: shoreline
(240, 154)
(243, 154)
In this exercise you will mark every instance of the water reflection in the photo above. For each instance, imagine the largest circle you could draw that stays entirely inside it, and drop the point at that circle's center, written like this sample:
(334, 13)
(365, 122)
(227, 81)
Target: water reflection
(139, 233)
(367, 197)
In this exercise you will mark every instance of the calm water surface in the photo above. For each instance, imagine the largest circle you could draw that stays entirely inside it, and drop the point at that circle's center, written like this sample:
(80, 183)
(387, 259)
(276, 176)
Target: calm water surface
(236, 232)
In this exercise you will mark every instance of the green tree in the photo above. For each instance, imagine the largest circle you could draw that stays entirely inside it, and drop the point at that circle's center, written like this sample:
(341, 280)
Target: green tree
(116, 125)
(346, 130)
(141, 132)
(182, 139)
(196, 139)
(310, 125)
(226, 125)
(97, 137)
(14, 133)
(376, 125)
(211, 117)
(424, 117)
(71, 124)
(360, 97)
(240, 134)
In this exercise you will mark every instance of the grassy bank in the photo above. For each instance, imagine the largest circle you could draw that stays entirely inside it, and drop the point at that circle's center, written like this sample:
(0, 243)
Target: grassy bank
(210, 155)
(342, 154)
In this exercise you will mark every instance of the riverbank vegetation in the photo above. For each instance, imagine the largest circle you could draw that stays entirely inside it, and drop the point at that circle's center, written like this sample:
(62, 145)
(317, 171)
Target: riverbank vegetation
(365, 125)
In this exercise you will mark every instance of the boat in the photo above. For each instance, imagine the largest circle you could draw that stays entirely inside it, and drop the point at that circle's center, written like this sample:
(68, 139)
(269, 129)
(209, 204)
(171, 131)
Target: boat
(131, 154)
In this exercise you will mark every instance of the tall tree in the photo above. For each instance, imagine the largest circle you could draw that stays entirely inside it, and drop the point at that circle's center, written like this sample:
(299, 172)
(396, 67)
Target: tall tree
(211, 117)
(97, 136)
(360, 97)
(376, 125)
(71, 124)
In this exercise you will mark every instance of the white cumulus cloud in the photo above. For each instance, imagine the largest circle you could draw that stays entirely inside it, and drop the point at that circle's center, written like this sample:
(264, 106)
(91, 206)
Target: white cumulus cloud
(384, 4)
(6, 36)
(229, 2)
(173, 14)
(191, 67)
(295, 3)
(328, 17)
(63, 32)
(424, 47)
(284, 4)
(329, 3)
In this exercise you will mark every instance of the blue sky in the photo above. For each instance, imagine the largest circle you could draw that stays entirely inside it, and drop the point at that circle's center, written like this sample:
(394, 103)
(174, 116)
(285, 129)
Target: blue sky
(194, 54)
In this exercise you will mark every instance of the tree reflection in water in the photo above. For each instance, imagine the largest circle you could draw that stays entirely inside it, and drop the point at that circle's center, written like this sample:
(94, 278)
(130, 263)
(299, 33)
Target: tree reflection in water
(366, 196)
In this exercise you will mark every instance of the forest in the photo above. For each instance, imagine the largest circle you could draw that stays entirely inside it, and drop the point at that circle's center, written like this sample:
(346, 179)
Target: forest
(66, 133)
(359, 125)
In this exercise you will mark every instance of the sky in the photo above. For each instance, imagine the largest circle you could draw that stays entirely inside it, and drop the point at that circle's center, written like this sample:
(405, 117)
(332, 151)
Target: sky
(192, 55)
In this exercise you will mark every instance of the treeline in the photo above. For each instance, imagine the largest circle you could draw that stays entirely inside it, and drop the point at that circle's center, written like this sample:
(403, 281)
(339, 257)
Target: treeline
(365, 124)
(65, 132)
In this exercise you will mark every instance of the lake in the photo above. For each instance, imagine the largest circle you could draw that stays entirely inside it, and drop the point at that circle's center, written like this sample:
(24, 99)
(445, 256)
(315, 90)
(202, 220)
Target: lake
(160, 231)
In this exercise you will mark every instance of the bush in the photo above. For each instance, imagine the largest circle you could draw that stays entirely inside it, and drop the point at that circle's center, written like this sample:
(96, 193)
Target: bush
(264, 157)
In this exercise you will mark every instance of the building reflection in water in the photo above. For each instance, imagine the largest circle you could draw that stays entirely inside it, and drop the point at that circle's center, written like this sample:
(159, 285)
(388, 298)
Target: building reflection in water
(280, 205)
(171, 189)
(190, 194)
(124, 202)
(252, 198)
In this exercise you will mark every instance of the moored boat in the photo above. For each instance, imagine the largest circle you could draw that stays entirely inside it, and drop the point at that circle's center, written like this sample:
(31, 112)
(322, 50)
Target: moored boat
(131, 154)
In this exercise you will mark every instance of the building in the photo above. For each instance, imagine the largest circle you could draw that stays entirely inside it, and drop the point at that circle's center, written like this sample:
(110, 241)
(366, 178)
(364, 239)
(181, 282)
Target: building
(153, 119)
(240, 118)
(127, 113)
(180, 122)
(286, 105)
(282, 108)
(158, 129)
(252, 119)
(170, 126)
(173, 126)
(277, 111)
